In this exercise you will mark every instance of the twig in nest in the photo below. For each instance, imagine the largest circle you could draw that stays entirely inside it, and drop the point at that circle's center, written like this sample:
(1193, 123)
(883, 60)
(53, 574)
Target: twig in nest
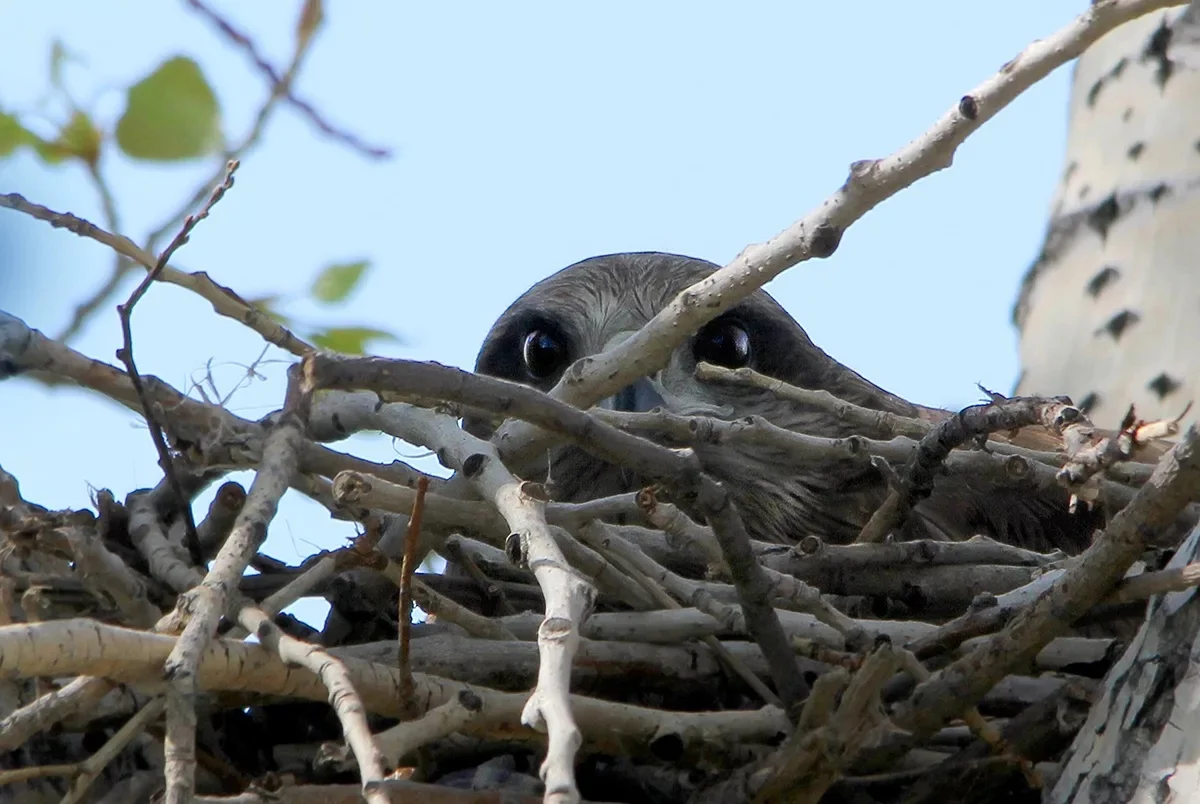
(976, 722)
(876, 423)
(406, 595)
(225, 506)
(678, 472)
(1175, 482)
(975, 422)
(492, 593)
(210, 600)
(722, 653)
(125, 355)
(90, 768)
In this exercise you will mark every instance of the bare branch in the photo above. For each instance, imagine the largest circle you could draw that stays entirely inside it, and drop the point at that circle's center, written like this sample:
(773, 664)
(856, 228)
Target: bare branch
(125, 355)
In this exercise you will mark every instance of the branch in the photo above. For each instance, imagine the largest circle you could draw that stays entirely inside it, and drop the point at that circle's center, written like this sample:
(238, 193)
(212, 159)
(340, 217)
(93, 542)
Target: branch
(125, 355)
(972, 423)
(1174, 483)
(569, 597)
(223, 300)
(213, 436)
(407, 567)
(66, 647)
(210, 600)
(817, 235)
(680, 473)
(281, 85)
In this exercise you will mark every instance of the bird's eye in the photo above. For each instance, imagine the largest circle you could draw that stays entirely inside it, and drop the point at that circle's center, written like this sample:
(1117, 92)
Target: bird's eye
(544, 354)
(723, 343)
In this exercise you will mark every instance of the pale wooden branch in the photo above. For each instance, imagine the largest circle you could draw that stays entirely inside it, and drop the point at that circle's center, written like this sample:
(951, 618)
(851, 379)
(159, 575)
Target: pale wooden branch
(569, 597)
(123, 655)
(223, 300)
(335, 678)
(214, 434)
(89, 769)
(870, 423)
(207, 602)
(1174, 484)
(870, 183)
(679, 472)
(403, 739)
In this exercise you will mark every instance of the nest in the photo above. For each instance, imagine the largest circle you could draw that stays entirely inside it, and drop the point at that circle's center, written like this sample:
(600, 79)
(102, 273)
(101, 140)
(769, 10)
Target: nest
(639, 648)
(635, 648)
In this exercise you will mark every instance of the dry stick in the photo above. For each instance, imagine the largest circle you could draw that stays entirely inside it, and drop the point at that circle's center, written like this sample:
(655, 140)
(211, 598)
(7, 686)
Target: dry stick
(880, 422)
(90, 768)
(870, 183)
(720, 651)
(977, 421)
(257, 620)
(223, 300)
(24, 349)
(980, 727)
(980, 621)
(68, 647)
(125, 355)
(346, 703)
(210, 600)
(446, 609)
(406, 597)
(281, 85)
(679, 472)
(1175, 482)
(569, 596)
(453, 551)
(225, 506)
(406, 737)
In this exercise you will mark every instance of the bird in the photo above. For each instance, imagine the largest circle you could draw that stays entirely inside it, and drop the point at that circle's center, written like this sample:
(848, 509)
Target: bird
(592, 305)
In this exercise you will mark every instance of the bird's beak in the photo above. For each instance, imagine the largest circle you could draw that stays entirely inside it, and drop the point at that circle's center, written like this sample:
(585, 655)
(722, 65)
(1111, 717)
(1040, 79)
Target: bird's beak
(639, 397)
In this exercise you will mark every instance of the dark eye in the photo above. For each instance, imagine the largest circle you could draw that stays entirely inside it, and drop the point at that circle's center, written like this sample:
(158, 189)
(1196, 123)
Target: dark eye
(723, 343)
(544, 354)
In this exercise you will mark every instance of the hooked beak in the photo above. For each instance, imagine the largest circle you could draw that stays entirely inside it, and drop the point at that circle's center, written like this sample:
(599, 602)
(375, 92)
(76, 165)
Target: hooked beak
(639, 397)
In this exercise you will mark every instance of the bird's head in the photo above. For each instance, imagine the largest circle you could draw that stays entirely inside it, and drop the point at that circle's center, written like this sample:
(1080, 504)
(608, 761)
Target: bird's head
(592, 305)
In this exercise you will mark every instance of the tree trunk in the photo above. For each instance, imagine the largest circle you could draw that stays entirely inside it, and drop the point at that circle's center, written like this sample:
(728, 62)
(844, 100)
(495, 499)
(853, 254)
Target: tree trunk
(1109, 313)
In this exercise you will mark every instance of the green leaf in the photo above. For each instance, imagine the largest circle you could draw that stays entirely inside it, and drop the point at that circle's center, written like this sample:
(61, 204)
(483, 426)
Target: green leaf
(170, 114)
(337, 281)
(350, 340)
(13, 135)
(78, 138)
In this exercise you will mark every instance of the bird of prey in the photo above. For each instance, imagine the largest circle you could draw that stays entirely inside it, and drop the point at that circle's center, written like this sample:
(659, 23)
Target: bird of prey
(591, 305)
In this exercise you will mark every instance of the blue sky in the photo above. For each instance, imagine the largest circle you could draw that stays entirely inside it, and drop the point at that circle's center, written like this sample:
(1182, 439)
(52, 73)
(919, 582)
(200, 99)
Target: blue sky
(528, 136)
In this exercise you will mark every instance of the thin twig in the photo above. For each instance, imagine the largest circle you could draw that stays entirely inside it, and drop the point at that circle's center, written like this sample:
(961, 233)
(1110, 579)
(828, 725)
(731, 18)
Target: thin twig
(406, 596)
(680, 473)
(1175, 482)
(125, 355)
(454, 552)
(281, 85)
(975, 422)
